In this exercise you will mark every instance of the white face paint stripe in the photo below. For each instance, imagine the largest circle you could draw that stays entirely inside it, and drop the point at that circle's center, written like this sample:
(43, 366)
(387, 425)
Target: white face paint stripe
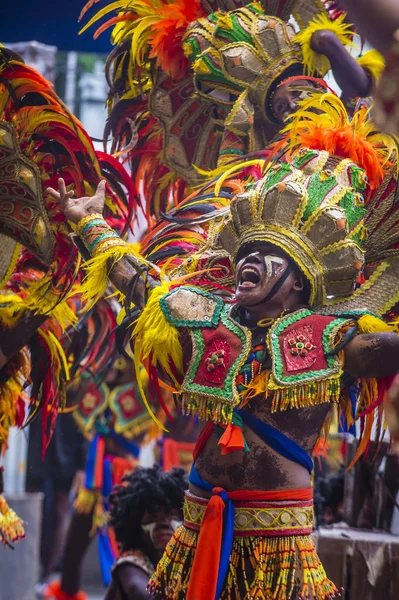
(175, 524)
(149, 528)
(269, 260)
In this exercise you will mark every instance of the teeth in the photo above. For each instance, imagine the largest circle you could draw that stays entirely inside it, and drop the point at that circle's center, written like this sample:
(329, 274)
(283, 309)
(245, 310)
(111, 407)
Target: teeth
(249, 270)
(249, 277)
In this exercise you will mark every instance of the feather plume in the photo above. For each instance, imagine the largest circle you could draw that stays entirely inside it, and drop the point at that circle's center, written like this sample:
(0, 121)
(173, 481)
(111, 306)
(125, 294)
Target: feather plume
(155, 28)
(316, 63)
(322, 123)
(157, 339)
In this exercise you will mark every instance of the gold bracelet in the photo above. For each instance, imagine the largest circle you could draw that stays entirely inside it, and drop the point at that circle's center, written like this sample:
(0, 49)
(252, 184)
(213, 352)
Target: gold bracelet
(88, 219)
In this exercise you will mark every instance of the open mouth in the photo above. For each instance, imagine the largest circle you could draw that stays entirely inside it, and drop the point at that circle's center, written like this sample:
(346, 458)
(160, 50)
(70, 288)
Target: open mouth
(249, 277)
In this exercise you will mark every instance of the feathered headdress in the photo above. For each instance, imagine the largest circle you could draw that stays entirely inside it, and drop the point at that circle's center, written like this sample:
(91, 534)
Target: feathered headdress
(40, 140)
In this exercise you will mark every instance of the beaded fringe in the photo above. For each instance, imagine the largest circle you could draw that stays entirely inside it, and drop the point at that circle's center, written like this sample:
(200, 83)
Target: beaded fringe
(265, 568)
(207, 408)
(302, 396)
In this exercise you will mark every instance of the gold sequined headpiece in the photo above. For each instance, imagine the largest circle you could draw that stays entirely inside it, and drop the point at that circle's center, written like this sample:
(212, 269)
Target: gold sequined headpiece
(313, 210)
(244, 53)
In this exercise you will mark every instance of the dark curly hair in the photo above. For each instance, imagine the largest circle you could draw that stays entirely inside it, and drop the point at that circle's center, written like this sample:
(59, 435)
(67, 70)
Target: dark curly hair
(145, 489)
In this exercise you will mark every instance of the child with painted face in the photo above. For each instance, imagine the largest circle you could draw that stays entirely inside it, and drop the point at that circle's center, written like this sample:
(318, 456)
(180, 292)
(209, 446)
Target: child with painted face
(146, 510)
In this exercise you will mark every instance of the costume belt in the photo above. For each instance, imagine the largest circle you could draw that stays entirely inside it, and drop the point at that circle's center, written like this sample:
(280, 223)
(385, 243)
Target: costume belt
(261, 519)
(238, 513)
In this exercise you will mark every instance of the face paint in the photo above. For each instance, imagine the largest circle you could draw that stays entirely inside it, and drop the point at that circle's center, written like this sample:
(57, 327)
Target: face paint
(274, 265)
(175, 524)
(149, 528)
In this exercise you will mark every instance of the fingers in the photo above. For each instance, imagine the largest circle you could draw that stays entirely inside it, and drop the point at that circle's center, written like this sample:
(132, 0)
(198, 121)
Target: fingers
(57, 196)
(101, 188)
(53, 193)
(60, 197)
(61, 187)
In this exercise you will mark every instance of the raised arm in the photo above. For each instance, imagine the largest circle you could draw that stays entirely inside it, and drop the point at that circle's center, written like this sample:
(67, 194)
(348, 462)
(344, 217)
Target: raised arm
(372, 355)
(125, 273)
(351, 77)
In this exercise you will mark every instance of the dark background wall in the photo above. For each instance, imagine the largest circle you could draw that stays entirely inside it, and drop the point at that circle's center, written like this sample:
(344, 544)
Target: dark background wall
(52, 22)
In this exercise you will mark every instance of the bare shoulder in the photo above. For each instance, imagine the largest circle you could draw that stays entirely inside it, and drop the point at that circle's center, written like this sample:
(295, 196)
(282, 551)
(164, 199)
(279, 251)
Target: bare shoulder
(132, 580)
(372, 355)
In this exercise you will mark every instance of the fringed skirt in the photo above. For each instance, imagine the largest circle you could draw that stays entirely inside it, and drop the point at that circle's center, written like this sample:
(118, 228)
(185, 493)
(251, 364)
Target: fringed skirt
(273, 555)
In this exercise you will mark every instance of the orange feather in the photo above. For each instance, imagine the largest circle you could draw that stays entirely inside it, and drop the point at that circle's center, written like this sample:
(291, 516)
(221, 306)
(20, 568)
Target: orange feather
(166, 35)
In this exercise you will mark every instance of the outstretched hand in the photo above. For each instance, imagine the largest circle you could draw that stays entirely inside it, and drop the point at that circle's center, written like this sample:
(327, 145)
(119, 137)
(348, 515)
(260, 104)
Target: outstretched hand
(75, 209)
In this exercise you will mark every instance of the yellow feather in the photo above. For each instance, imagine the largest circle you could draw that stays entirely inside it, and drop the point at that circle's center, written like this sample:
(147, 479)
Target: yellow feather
(373, 62)
(138, 369)
(236, 167)
(315, 62)
(327, 112)
(371, 324)
(120, 5)
(98, 268)
(139, 39)
(155, 336)
(56, 351)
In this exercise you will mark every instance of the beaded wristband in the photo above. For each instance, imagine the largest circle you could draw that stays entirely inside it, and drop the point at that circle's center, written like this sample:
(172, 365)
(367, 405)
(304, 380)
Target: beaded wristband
(97, 235)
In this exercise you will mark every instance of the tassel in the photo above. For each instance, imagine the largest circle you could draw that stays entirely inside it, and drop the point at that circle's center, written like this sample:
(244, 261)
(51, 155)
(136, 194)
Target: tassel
(231, 440)
(86, 500)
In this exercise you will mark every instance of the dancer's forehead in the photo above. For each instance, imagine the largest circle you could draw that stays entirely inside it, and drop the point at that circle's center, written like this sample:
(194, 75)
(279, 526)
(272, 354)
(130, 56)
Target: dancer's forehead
(262, 248)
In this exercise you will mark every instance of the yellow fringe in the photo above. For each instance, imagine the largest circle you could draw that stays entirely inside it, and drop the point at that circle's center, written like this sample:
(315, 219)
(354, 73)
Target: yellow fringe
(98, 268)
(11, 526)
(368, 394)
(59, 360)
(373, 62)
(266, 567)
(86, 500)
(40, 299)
(154, 336)
(318, 63)
(300, 396)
